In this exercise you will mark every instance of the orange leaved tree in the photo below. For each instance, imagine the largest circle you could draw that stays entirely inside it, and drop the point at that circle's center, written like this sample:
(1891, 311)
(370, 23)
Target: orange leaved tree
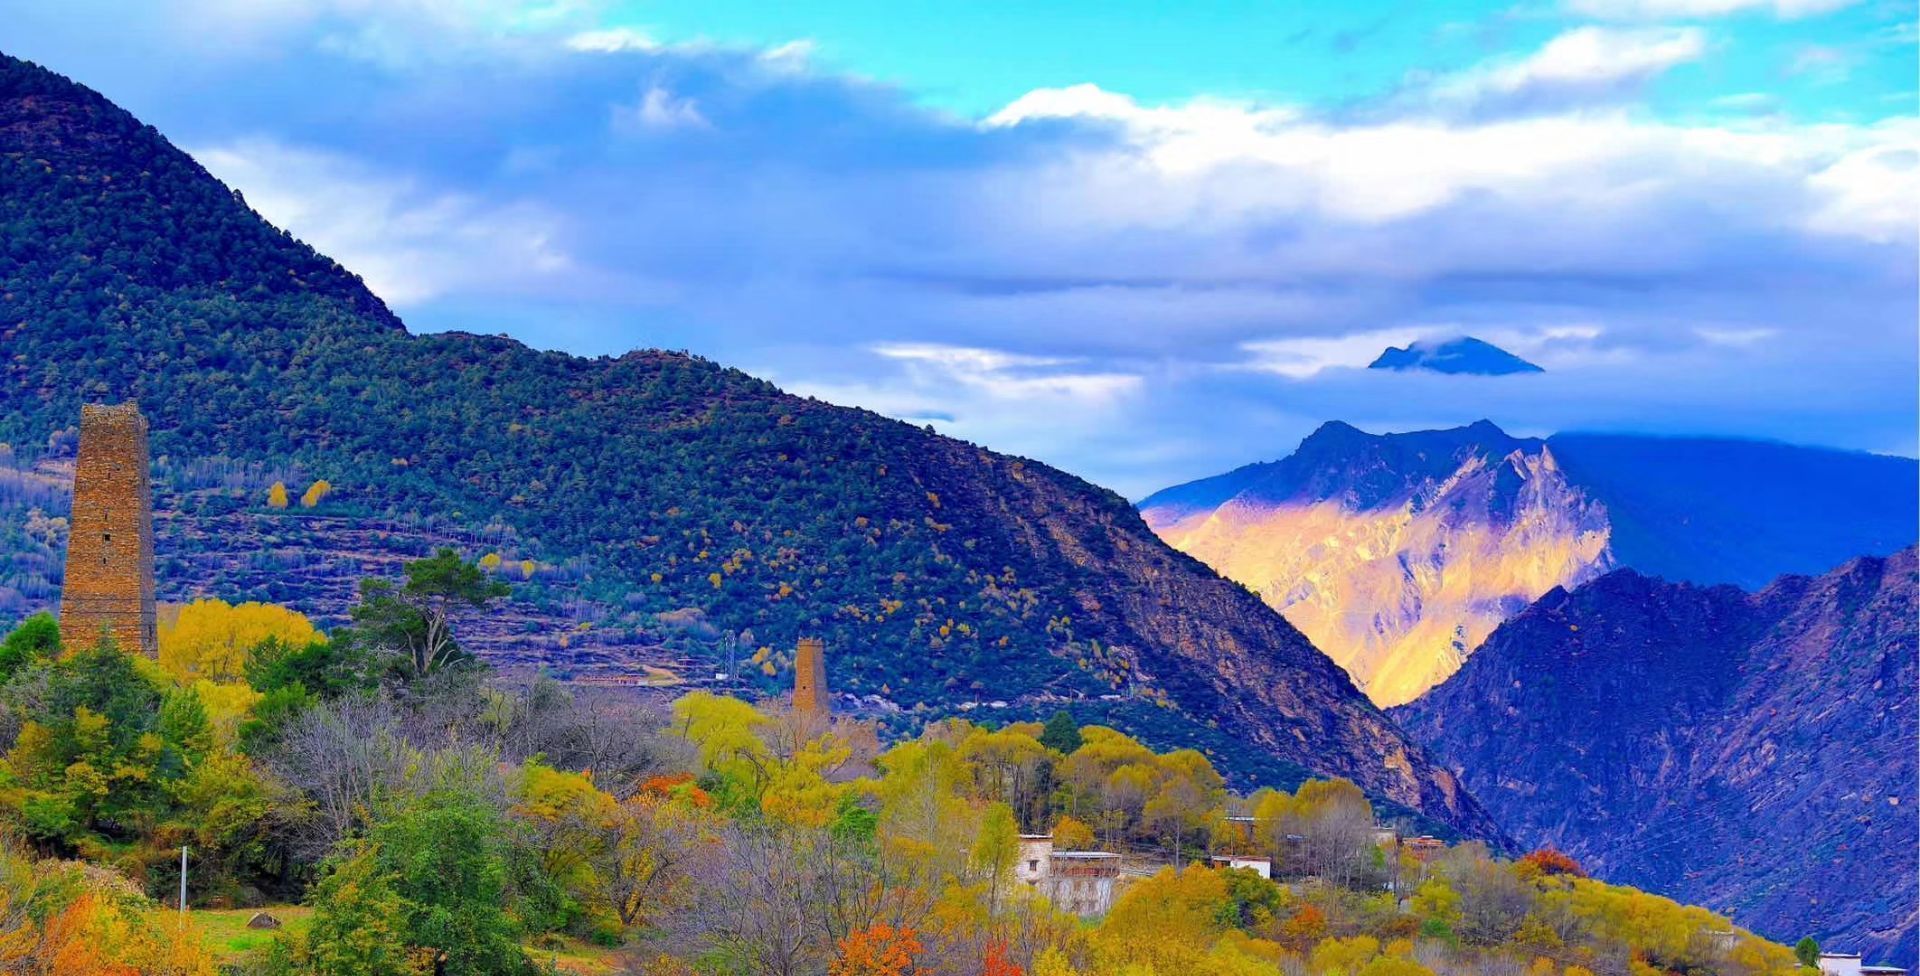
(877, 950)
(998, 962)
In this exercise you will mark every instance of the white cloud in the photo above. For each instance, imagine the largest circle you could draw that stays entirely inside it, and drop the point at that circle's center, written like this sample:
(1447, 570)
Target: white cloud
(410, 243)
(394, 34)
(1584, 63)
(1223, 165)
(612, 40)
(961, 358)
(1305, 357)
(1735, 337)
(1872, 190)
(1104, 283)
(660, 110)
(1823, 63)
(794, 55)
(1694, 9)
(1008, 376)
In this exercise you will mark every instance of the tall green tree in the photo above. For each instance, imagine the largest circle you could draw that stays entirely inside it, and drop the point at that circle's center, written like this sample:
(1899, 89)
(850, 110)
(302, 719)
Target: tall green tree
(448, 855)
(1061, 734)
(415, 618)
(1807, 950)
(36, 639)
(358, 922)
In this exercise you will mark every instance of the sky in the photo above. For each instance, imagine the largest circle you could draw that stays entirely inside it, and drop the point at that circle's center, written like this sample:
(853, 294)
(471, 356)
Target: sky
(1142, 242)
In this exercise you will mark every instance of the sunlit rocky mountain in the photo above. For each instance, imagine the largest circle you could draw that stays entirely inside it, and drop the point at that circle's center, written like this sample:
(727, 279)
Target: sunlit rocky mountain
(1397, 554)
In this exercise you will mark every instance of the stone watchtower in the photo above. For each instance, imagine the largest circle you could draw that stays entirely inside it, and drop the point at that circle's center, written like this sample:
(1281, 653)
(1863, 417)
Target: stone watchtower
(109, 581)
(810, 678)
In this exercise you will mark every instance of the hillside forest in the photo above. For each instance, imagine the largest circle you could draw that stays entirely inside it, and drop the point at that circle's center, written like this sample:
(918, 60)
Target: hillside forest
(433, 818)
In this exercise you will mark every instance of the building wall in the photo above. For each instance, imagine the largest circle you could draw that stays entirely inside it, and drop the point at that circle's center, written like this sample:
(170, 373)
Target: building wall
(1082, 886)
(1258, 865)
(1035, 853)
(109, 575)
(1834, 964)
(810, 677)
(1086, 896)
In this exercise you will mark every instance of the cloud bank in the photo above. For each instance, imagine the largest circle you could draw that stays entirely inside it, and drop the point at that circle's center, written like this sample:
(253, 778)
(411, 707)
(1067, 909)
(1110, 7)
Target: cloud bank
(1140, 293)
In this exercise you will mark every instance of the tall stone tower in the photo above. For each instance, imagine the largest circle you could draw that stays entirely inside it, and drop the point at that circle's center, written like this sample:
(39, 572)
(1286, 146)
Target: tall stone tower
(810, 678)
(109, 582)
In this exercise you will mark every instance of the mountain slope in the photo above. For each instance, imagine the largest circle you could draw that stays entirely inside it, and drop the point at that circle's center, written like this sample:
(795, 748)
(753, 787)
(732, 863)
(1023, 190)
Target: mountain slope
(1397, 554)
(658, 499)
(1742, 512)
(1749, 752)
(1464, 355)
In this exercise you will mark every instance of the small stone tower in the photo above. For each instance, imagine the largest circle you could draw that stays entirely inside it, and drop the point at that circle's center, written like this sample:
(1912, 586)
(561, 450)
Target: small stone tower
(109, 580)
(810, 678)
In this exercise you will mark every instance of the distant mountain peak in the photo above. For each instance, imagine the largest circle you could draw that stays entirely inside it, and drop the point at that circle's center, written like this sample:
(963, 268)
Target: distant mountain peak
(1464, 355)
(1398, 552)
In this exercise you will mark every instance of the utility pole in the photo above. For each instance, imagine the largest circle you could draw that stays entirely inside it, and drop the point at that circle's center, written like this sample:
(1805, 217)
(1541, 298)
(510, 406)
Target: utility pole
(183, 886)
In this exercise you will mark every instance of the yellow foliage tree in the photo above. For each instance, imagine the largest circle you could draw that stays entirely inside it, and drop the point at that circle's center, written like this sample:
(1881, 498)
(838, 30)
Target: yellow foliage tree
(1343, 957)
(726, 733)
(1053, 962)
(1394, 966)
(277, 495)
(798, 792)
(212, 638)
(1070, 834)
(316, 491)
(228, 704)
(1168, 922)
(569, 815)
(60, 918)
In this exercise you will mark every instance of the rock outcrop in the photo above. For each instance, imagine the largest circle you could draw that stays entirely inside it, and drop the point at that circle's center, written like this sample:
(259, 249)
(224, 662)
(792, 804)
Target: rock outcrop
(1394, 554)
(1398, 553)
(1751, 752)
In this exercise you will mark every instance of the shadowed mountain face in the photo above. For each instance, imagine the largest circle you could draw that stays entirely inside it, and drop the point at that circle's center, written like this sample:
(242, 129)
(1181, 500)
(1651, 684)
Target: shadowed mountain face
(1397, 554)
(1749, 752)
(1463, 355)
(657, 499)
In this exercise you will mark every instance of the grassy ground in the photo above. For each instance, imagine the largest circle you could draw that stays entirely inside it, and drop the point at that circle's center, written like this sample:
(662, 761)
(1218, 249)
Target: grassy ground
(224, 931)
(574, 957)
(225, 934)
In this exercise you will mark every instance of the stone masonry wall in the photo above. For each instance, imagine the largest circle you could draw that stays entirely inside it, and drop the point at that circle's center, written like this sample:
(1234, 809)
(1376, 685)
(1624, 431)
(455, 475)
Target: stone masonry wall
(810, 677)
(109, 575)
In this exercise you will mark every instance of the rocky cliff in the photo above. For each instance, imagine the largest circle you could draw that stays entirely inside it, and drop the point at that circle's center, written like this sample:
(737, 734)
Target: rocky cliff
(1397, 554)
(1752, 752)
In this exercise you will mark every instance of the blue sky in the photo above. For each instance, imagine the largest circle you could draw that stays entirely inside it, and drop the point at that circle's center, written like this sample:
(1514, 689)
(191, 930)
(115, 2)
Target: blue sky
(1142, 242)
(973, 58)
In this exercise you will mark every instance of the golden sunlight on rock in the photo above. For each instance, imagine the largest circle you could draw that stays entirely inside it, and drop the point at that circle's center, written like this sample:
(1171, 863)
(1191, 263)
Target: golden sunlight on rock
(1399, 594)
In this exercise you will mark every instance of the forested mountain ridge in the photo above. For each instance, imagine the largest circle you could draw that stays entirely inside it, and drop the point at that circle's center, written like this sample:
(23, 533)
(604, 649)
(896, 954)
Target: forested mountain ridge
(1753, 752)
(658, 499)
